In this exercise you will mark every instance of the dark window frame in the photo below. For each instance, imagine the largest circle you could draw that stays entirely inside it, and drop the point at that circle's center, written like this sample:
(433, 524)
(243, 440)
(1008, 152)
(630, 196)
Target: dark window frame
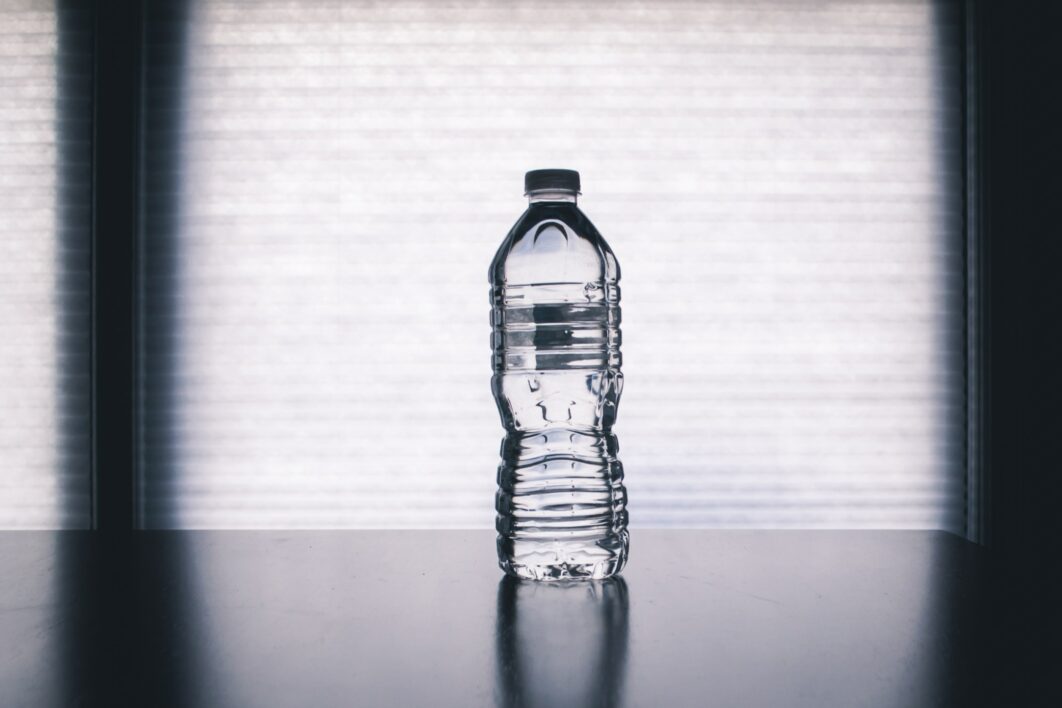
(117, 79)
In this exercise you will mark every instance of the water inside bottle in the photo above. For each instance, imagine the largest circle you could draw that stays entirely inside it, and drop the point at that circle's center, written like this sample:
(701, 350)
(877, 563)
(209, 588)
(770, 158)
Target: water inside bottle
(561, 502)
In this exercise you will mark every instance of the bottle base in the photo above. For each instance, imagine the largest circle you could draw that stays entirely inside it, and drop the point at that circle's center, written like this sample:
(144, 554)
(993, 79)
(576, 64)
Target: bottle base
(561, 560)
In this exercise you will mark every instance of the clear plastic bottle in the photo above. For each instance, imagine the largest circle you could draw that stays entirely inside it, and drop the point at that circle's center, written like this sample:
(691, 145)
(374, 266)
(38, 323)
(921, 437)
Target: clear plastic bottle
(562, 506)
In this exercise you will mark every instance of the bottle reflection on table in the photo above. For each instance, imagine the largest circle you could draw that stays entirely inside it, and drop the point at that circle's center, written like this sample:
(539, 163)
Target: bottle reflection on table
(560, 644)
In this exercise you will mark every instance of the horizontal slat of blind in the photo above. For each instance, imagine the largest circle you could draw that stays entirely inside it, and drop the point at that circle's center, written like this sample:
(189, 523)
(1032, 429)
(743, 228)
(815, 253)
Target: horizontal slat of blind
(327, 183)
(45, 192)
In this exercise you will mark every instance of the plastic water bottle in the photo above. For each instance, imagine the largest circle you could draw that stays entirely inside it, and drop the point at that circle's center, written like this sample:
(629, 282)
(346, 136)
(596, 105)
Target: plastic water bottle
(562, 507)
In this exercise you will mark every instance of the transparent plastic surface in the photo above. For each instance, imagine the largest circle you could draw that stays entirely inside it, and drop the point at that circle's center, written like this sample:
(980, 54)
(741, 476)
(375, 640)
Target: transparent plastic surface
(562, 506)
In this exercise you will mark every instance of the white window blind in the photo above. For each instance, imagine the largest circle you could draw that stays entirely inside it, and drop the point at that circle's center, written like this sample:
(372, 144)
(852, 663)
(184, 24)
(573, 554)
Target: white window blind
(326, 183)
(45, 191)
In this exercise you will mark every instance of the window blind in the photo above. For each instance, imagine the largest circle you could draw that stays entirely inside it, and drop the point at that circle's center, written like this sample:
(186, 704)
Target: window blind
(45, 192)
(327, 182)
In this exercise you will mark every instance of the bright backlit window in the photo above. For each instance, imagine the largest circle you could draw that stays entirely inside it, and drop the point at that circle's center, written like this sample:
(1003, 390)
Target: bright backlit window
(326, 182)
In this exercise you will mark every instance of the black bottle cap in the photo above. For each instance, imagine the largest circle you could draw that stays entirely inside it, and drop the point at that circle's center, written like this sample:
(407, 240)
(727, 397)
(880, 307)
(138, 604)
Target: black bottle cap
(545, 180)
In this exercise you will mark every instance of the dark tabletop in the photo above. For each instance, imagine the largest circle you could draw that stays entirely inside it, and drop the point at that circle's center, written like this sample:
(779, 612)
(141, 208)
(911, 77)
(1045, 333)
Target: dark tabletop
(424, 618)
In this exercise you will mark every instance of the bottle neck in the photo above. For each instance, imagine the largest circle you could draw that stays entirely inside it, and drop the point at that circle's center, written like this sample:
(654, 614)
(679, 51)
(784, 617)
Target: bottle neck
(561, 196)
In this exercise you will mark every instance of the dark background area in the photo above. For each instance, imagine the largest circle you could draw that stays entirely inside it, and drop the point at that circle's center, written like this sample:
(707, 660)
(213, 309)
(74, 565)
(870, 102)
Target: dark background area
(114, 234)
(1020, 71)
(1020, 270)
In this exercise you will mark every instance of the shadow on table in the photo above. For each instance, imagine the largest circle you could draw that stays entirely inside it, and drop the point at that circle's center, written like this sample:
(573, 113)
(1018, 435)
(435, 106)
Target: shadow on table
(560, 644)
(129, 629)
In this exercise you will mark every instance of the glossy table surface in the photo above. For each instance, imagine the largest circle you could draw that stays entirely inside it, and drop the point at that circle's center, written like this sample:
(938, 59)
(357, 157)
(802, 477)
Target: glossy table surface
(424, 618)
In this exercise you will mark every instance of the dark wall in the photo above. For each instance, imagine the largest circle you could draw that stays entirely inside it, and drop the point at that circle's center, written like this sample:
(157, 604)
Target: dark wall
(1021, 83)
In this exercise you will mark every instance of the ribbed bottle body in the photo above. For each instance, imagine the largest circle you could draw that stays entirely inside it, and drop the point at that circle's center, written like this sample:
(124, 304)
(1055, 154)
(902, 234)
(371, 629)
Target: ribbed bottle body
(555, 318)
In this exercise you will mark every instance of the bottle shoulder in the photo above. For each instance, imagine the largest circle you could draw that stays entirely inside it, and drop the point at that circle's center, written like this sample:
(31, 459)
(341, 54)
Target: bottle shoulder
(553, 243)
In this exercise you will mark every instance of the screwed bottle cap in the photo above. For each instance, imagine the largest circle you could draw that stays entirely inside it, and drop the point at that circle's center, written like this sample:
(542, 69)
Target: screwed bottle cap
(544, 180)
